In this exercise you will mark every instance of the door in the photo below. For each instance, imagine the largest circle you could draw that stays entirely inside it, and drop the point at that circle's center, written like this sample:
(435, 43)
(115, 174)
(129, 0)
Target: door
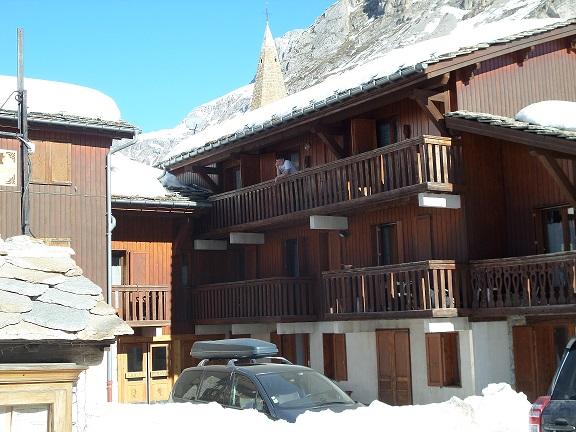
(394, 370)
(144, 372)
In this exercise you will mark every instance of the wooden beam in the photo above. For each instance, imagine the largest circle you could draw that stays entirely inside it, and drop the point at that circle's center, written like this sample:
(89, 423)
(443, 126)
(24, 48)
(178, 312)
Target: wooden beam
(520, 56)
(427, 101)
(468, 72)
(205, 170)
(211, 183)
(331, 143)
(555, 170)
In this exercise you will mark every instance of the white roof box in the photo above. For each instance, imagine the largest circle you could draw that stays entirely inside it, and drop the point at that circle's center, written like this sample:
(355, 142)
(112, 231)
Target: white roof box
(233, 348)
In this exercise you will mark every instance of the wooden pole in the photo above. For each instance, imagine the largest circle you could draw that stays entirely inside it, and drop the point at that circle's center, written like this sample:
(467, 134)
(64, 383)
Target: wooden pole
(23, 136)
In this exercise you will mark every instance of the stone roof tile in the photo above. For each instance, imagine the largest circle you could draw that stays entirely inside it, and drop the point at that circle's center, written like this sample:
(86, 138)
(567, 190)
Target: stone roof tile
(21, 287)
(57, 317)
(79, 285)
(14, 303)
(77, 301)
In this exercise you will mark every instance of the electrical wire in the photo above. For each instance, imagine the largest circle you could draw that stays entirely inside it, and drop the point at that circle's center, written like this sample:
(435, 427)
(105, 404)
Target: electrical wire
(7, 99)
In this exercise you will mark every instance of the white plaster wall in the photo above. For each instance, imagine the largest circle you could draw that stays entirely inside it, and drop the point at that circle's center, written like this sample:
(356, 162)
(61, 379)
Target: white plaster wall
(493, 359)
(362, 361)
(89, 391)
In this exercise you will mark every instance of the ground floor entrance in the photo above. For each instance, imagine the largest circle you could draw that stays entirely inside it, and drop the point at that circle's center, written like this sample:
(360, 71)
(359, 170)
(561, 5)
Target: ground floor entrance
(148, 366)
(394, 370)
(538, 348)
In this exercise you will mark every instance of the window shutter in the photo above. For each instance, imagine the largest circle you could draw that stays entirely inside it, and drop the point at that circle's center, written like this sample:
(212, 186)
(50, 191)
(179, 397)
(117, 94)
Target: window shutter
(434, 359)
(450, 366)
(39, 161)
(138, 268)
(340, 361)
(328, 351)
(363, 133)
(60, 155)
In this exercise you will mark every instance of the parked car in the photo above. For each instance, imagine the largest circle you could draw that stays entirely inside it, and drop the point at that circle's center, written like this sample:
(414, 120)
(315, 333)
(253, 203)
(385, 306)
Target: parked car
(251, 380)
(557, 410)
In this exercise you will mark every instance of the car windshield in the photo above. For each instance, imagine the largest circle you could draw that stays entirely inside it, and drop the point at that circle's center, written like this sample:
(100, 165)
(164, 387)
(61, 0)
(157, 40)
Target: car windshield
(302, 389)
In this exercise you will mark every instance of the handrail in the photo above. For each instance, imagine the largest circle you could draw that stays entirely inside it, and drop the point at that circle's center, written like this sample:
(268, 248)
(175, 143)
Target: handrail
(526, 259)
(253, 281)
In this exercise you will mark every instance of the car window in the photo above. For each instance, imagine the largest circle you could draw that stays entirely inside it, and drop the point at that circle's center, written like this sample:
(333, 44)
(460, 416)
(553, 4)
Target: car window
(187, 385)
(245, 394)
(215, 387)
(565, 388)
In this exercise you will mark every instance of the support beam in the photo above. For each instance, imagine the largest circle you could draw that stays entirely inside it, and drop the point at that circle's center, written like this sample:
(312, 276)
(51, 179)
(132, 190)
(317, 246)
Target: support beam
(206, 170)
(555, 170)
(427, 100)
(331, 143)
(439, 200)
(210, 245)
(246, 238)
(329, 223)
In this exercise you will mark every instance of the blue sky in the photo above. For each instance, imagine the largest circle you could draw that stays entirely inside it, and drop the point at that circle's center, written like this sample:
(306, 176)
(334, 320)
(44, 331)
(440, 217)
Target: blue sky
(157, 59)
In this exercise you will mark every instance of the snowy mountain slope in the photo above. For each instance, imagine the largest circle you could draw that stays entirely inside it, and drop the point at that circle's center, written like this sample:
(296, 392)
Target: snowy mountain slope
(347, 34)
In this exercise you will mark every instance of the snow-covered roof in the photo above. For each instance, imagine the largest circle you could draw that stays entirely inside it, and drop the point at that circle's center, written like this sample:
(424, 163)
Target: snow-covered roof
(44, 297)
(389, 68)
(551, 114)
(137, 181)
(54, 97)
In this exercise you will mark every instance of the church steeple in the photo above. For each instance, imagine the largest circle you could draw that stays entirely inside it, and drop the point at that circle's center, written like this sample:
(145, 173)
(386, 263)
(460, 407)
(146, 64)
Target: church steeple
(269, 85)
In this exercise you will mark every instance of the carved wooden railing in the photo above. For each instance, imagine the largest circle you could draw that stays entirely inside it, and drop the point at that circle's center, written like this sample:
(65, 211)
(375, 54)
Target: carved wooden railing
(537, 280)
(425, 160)
(253, 300)
(417, 286)
(143, 305)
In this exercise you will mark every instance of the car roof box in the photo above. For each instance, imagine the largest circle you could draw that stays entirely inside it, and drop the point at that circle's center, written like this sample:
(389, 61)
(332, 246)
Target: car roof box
(233, 348)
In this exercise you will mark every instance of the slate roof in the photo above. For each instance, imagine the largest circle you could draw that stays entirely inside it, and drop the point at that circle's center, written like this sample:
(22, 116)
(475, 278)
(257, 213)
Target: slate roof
(510, 123)
(344, 94)
(120, 129)
(45, 297)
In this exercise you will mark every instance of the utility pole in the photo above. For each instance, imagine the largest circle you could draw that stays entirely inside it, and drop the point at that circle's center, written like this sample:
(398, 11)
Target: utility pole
(23, 137)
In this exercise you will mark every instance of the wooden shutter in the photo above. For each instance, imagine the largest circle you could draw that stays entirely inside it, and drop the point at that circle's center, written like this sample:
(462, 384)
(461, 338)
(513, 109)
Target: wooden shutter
(289, 347)
(403, 367)
(138, 268)
(450, 363)
(249, 169)
(423, 238)
(545, 357)
(267, 166)
(328, 352)
(340, 361)
(60, 162)
(276, 340)
(434, 359)
(524, 361)
(39, 161)
(386, 366)
(363, 133)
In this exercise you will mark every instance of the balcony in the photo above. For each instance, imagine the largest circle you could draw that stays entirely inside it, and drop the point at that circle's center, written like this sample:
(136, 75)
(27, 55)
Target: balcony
(420, 289)
(143, 305)
(258, 300)
(527, 284)
(406, 168)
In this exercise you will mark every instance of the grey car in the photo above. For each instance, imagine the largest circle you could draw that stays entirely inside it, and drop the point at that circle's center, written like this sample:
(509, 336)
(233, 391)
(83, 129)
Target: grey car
(281, 391)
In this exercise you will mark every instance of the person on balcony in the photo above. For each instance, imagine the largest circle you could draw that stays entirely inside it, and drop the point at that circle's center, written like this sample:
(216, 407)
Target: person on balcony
(284, 167)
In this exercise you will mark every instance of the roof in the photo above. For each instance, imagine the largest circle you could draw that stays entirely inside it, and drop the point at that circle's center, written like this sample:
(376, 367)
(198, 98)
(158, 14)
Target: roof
(45, 297)
(510, 123)
(391, 68)
(114, 128)
(137, 185)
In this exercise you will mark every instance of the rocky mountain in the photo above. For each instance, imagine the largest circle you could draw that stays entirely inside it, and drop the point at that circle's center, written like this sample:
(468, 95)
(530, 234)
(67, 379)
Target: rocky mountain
(349, 33)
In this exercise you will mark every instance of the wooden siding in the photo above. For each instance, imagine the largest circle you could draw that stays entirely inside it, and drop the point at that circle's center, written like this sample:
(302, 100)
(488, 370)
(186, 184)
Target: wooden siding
(75, 211)
(502, 87)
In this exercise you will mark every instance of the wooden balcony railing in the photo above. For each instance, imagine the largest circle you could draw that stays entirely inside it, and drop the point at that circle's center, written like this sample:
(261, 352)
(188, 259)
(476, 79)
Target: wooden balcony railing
(254, 300)
(537, 280)
(430, 162)
(143, 305)
(385, 290)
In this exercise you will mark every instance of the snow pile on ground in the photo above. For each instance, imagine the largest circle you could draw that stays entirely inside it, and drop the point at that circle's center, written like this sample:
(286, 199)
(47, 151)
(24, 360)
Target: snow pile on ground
(131, 179)
(53, 97)
(466, 34)
(500, 409)
(551, 113)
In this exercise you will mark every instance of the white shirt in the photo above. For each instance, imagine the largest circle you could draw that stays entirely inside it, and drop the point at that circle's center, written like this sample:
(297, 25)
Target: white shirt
(287, 167)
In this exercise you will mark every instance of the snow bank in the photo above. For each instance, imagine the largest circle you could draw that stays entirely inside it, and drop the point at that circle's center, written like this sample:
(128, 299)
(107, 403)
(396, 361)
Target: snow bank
(466, 34)
(500, 409)
(552, 113)
(133, 179)
(53, 97)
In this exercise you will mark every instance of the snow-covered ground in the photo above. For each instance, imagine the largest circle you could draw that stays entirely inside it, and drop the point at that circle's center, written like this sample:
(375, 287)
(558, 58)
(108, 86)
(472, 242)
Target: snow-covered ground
(551, 113)
(500, 409)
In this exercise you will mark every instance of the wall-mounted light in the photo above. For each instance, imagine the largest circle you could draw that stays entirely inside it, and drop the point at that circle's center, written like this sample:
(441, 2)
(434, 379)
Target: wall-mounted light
(307, 146)
(343, 233)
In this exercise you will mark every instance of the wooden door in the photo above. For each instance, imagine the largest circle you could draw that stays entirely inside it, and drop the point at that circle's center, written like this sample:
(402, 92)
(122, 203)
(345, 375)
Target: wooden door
(363, 134)
(159, 376)
(133, 372)
(423, 238)
(394, 370)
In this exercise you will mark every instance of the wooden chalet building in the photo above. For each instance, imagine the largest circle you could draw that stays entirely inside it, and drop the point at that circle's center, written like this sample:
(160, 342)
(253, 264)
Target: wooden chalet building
(423, 249)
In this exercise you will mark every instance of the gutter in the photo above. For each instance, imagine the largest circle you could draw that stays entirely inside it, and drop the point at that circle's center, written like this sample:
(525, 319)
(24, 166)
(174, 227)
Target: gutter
(160, 203)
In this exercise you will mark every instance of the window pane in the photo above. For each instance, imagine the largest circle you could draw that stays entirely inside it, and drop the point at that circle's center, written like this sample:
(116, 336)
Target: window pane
(134, 355)
(187, 385)
(292, 260)
(244, 393)
(571, 228)
(553, 230)
(215, 388)
(387, 245)
(159, 358)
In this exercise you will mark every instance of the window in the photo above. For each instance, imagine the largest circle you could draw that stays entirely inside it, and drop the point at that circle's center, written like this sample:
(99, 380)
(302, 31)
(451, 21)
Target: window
(232, 178)
(187, 385)
(215, 388)
(386, 132)
(118, 267)
(295, 159)
(559, 229)
(442, 359)
(387, 244)
(294, 347)
(335, 363)
(245, 394)
(291, 258)
(51, 163)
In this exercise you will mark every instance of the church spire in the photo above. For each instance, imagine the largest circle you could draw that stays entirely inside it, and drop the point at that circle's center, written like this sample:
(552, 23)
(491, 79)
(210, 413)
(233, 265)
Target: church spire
(269, 84)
